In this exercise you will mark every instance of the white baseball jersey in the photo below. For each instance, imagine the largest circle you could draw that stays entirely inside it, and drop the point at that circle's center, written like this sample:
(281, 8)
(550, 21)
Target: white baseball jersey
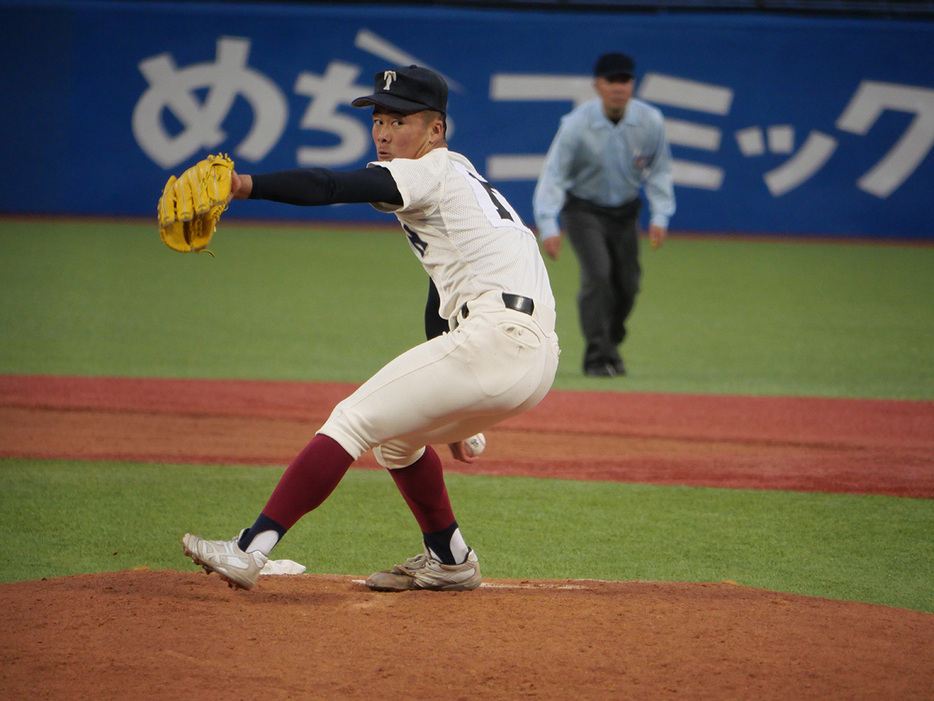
(467, 236)
(497, 361)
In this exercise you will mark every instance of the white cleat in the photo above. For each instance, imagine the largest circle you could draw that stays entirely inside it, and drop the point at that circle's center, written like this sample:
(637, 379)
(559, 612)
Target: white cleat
(237, 568)
(425, 572)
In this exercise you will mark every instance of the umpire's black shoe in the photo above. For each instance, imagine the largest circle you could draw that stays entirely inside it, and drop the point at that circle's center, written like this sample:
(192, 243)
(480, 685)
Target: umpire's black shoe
(600, 370)
(619, 367)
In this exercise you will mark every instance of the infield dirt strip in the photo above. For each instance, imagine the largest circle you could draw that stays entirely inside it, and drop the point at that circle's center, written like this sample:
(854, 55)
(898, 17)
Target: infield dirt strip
(168, 634)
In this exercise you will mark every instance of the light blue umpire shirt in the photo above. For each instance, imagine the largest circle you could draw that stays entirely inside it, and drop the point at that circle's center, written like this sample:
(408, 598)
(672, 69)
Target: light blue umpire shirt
(606, 164)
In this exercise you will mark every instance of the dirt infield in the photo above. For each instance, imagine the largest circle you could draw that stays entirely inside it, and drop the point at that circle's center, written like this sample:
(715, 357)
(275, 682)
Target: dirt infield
(166, 634)
(826, 445)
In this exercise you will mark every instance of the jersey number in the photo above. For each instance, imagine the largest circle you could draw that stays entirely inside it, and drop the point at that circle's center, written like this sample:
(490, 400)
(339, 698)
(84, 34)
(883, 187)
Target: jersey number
(418, 243)
(494, 206)
(500, 209)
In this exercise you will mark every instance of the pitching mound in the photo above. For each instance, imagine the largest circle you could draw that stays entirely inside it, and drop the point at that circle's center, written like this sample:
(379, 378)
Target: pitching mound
(163, 634)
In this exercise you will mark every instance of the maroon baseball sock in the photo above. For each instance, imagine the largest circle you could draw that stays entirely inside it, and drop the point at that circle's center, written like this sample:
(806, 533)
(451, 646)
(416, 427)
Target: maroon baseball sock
(308, 481)
(422, 487)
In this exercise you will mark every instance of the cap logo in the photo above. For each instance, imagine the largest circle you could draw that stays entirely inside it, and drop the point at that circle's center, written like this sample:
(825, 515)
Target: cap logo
(388, 76)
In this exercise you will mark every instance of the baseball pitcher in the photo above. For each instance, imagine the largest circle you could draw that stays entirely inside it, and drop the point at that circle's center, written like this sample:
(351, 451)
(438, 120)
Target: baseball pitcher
(498, 358)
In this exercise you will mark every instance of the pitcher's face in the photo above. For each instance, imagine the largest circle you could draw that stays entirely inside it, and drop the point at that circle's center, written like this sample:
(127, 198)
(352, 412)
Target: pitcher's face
(399, 135)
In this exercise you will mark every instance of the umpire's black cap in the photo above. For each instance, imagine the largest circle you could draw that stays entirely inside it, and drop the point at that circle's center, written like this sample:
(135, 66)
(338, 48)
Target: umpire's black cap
(408, 90)
(614, 64)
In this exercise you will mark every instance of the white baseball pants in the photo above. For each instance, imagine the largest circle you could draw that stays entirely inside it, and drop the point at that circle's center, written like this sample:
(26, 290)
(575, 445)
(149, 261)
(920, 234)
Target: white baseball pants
(494, 364)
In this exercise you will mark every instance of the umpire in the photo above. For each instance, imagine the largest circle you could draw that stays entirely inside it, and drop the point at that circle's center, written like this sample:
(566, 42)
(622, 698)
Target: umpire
(605, 151)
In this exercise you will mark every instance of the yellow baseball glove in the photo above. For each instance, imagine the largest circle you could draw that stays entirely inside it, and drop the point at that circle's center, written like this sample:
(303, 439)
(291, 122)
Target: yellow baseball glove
(192, 204)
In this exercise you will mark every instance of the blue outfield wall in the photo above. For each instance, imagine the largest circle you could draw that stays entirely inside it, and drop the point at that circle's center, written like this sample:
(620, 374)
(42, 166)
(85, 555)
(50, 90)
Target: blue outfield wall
(777, 125)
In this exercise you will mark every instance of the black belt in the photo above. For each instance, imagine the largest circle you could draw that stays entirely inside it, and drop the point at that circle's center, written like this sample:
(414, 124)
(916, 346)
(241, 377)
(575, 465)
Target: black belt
(516, 302)
(627, 209)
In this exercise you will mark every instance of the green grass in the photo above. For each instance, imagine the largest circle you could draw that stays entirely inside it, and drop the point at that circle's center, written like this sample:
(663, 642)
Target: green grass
(715, 316)
(793, 318)
(109, 299)
(61, 518)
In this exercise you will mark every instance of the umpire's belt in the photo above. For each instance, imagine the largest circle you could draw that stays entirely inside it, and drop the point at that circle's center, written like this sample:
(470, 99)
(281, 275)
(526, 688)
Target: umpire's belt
(517, 302)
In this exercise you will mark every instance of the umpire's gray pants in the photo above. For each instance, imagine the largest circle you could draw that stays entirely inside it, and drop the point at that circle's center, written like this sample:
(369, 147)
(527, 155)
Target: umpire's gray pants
(606, 241)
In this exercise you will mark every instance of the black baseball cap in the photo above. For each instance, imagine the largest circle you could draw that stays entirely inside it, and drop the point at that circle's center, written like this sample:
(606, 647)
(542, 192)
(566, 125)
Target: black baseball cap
(614, 64)
(406, 90)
